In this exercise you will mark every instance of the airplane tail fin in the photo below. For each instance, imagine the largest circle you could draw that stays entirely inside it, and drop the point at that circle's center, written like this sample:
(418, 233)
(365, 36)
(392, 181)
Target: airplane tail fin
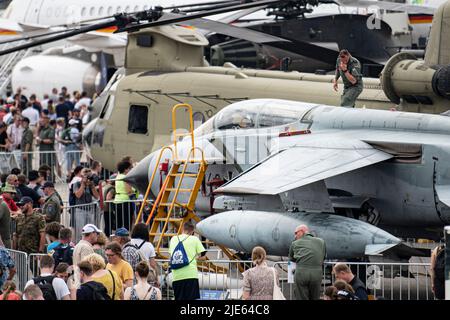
(438, 47)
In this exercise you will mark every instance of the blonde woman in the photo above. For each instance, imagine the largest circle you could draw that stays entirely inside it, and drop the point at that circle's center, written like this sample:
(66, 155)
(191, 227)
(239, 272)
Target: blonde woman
(259, 280)
(108, 278)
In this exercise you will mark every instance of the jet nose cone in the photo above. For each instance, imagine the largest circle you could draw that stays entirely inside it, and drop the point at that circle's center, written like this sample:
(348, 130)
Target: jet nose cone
(138, 177)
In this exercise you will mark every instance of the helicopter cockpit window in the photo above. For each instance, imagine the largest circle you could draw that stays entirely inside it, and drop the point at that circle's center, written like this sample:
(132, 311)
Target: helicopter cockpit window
(144, 40)
(235, 118)
(138, 119)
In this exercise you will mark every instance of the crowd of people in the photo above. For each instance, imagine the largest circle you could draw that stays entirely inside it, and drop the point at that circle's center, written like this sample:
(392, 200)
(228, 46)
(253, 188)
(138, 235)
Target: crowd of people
(121, 267)
(52, 126)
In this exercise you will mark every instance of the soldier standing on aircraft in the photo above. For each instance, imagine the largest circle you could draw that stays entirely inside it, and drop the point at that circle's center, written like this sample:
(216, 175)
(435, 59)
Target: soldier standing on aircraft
(349, 69)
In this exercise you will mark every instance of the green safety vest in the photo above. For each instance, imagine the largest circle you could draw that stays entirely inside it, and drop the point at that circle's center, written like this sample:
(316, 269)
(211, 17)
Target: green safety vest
(121, 191)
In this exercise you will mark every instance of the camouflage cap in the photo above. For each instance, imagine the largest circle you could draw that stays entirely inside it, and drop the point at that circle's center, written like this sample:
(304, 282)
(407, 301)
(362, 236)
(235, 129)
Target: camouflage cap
(9, 188)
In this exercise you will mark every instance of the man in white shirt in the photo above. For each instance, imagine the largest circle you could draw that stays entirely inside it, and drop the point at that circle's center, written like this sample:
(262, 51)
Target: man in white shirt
(14, 132)
(33, 115)
(84, 248)
(58, 289)
(83, 101)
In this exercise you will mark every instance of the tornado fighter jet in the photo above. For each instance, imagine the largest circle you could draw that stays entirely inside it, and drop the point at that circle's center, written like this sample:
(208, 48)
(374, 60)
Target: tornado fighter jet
(360, 179)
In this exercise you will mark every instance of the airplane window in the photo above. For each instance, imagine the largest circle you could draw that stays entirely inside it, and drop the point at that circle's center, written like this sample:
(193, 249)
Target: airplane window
(146, 7)
(127, 9)
(138, 119)
(57, 12)
(110, 11)
(234, 118)
(119, 9)
(100, 11)
(92, 11)
(83, 11)
(49, 12)
(136, 9)
(267, 120)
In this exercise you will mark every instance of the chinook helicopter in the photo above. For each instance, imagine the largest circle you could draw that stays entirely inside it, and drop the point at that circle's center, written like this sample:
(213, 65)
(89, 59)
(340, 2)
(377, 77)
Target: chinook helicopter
(165, 65)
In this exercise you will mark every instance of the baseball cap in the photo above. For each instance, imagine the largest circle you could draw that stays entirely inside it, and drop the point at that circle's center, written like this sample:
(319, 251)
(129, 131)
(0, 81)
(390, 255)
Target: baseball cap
(89, 228)
(72, 122)
(24, 201)
(48, 184)
(121, 232)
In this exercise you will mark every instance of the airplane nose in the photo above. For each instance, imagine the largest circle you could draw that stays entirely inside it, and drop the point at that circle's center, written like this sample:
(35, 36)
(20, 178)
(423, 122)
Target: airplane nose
(138, 177)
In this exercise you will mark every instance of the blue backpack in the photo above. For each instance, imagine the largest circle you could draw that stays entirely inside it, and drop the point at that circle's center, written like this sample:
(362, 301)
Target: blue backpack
(179, 258)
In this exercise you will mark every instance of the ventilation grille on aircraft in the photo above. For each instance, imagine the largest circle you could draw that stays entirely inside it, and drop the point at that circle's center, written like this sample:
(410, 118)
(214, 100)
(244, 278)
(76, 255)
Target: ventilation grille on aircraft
(189, 37)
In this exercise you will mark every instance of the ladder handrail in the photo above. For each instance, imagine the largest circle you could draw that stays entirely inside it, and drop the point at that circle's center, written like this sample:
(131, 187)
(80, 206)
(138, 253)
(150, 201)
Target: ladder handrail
(172, 204)
(174, 125)
(149, 187)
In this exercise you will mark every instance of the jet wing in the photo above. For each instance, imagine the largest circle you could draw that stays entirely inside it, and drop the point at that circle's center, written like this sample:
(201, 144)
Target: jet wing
(304, 164)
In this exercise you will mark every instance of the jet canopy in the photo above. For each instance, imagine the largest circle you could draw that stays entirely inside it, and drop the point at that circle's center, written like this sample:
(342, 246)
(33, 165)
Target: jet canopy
(255, 114)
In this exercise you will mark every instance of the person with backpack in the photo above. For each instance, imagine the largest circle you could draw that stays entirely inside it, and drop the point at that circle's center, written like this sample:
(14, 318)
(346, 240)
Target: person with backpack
(130, 251)
(35, 182)
(63, 252)
(140, 237)
(52, 287)
(184, 250)
(437, 271)
(52, 233)
(90, 289)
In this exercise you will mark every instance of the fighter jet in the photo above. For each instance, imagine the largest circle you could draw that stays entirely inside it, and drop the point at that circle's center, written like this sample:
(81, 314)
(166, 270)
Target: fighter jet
(359, 178)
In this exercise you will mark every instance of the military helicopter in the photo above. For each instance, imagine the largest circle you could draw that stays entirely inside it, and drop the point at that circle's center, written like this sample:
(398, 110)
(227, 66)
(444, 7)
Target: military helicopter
(165, 65)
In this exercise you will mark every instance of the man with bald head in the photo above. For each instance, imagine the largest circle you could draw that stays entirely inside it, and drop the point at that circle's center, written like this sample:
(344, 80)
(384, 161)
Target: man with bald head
(308, 252)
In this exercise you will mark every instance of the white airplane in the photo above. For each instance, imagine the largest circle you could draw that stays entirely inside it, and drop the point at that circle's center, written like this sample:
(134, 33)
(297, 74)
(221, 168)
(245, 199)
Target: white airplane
(69, 65)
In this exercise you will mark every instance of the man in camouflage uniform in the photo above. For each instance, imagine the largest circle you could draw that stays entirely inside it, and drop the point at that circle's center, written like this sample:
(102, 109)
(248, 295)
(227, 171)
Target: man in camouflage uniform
(52, 205)
(26, 146)
(46, 141)
(349, 69)
(30, 231)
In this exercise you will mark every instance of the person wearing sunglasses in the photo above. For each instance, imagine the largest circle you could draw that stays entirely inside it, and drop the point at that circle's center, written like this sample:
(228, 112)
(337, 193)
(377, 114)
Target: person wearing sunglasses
(349, 69)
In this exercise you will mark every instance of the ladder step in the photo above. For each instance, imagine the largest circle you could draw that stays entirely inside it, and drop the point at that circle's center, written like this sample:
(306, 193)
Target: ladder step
(186, 174)
(170, 219)
(168, 204)
(180, 190)
(154, 234)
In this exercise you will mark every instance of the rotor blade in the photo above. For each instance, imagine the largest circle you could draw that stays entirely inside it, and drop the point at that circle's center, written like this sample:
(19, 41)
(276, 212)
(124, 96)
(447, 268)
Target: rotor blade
(201, 4)
(225, 5)
(182, 18)
(232, 31)
(314, 51)
(34, 37)
(65, 35)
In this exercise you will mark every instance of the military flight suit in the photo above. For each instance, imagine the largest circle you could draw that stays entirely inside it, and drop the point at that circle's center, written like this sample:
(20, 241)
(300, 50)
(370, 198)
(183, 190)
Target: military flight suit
(52, 208)
(28, 232)
(308, 253)
(351, 91)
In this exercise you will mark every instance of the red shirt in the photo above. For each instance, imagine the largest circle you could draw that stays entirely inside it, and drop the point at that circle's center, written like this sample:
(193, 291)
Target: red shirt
(11, 204)
(11, 296)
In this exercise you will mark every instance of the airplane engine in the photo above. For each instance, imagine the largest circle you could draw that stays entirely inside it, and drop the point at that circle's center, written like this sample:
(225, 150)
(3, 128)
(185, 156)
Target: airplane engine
(405, 77)
(57, 71)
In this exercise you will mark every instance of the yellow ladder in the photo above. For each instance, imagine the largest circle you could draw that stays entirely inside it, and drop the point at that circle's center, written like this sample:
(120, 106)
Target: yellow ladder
(167, 223)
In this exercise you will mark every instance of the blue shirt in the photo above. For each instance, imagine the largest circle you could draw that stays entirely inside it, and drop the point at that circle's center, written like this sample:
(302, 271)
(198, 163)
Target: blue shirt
(6, 262)
(52, 246)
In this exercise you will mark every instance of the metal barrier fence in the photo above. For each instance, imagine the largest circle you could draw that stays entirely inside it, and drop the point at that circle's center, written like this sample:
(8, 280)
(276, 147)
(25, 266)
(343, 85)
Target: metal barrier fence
(61, 162)
(223, 279)
(392, 281)
(21, 263)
